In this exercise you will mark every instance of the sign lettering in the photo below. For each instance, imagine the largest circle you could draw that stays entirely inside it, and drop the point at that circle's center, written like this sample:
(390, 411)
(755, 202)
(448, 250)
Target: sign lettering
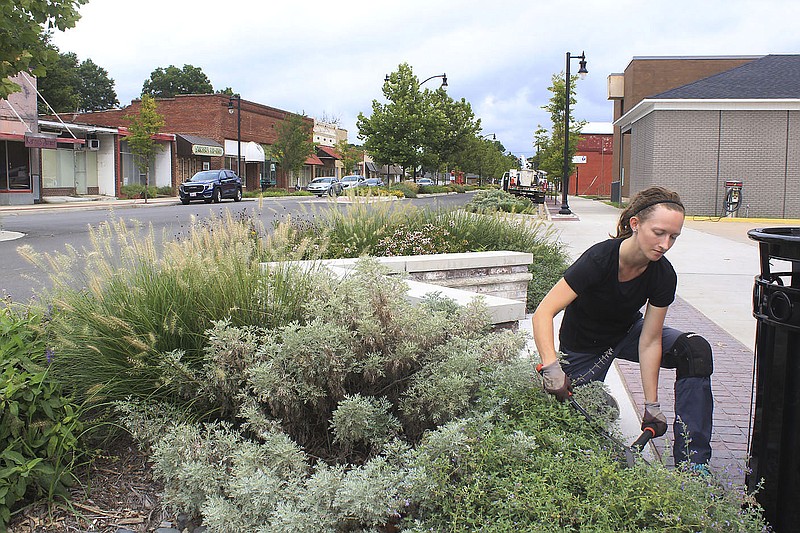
(215, 151)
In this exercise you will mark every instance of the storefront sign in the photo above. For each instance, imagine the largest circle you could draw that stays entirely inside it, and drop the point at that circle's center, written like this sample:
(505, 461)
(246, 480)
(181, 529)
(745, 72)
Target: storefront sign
(214, 151)
(32, 141)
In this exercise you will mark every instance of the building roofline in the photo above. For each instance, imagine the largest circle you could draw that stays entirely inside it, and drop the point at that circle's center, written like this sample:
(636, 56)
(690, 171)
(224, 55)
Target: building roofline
(695, 58)
(648, 105)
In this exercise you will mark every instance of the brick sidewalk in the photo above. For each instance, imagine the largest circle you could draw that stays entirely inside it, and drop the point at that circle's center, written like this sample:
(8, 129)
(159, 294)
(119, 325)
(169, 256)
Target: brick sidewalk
(731, 383)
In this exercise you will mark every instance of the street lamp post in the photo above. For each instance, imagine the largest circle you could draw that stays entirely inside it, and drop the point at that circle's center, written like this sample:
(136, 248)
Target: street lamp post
(565, 170)
(238, 99)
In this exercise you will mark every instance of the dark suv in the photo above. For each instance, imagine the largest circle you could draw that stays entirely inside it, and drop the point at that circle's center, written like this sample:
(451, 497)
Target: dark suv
(211, 186)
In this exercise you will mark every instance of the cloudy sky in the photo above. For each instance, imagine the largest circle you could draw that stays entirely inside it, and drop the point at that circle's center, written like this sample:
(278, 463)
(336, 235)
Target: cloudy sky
(328, 59)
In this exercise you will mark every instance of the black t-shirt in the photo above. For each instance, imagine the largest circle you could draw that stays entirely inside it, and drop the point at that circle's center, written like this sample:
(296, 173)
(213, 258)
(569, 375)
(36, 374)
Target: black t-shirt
(606, 308)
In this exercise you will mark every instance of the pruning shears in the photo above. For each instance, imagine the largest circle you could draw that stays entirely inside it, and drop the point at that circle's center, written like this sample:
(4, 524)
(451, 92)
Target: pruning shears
(631, 451)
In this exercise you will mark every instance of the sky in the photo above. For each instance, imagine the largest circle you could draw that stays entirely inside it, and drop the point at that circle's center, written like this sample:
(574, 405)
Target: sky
(329, 59)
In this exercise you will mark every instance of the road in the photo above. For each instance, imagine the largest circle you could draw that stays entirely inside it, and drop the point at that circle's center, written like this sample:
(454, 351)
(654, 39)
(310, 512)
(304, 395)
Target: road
(54, 229)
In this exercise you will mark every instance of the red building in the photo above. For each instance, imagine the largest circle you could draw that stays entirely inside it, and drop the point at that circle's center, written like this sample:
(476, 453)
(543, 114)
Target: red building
(216, 131)
(593, 160)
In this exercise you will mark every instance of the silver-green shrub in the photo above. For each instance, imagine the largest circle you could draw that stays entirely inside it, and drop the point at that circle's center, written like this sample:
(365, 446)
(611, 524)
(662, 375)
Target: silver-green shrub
(318, 417)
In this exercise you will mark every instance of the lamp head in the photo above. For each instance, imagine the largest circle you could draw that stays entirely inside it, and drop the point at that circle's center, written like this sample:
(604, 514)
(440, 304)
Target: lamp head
(582, 72)
(444, 80)
(230, 105)
(386, 79)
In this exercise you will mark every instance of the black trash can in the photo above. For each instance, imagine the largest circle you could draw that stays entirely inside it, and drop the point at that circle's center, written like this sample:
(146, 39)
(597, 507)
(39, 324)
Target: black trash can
(775, 440)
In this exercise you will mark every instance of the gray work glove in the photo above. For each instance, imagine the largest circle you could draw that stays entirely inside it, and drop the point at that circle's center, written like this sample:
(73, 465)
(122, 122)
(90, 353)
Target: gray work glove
(654, 419)
(555, 381)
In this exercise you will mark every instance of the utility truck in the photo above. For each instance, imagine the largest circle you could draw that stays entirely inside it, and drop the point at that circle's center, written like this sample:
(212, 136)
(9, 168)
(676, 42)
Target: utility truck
(526, 182)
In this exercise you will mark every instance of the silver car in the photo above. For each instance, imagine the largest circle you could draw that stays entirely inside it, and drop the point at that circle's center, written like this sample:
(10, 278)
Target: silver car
(325, 185)
(351, 181)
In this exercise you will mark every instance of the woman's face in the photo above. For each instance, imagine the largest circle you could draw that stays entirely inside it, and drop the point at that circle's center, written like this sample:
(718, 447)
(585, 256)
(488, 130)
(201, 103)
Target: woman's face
(657, 233)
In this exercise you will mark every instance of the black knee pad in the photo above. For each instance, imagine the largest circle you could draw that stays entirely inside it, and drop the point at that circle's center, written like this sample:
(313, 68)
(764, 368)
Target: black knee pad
(693, 356)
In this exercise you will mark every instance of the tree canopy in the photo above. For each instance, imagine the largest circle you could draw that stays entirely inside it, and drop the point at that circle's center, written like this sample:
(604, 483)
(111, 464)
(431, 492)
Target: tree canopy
(68, 86)
(169, 81)
(551, 149)
(23, 27)
(417, 127)
(351, 155)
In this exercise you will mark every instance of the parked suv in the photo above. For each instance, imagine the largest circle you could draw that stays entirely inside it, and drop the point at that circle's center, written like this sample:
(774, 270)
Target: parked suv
(211, 186)
(325, 185)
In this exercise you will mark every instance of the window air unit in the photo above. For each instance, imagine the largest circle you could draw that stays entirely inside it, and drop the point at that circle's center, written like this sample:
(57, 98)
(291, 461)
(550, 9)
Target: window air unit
(93, 144)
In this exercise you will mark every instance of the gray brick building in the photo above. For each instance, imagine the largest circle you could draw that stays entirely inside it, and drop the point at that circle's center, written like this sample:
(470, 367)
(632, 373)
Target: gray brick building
(741, 124)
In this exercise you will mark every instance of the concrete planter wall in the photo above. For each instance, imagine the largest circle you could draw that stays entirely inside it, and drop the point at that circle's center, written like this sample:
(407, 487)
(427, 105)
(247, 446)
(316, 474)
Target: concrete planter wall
(500, 277)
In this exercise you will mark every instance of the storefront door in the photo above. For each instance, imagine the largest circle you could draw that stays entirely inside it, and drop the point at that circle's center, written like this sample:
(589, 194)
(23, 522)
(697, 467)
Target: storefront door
(80, 172)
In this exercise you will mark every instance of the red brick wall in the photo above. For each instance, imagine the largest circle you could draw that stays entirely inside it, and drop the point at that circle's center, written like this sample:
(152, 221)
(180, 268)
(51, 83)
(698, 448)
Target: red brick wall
(594, 176)
(205, 115)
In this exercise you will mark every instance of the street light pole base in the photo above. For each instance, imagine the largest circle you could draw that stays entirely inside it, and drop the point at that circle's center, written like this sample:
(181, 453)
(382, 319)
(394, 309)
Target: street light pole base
(564, 210)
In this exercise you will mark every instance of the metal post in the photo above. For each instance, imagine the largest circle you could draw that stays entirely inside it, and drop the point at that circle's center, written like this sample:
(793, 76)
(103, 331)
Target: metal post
(565, 168)
(239, 135)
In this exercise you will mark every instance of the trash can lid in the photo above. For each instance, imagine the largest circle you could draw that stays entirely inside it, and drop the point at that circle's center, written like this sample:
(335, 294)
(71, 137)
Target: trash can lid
(783, 242)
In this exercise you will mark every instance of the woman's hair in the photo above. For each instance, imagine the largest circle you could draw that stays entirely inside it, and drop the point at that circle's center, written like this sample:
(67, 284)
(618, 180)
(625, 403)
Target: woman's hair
(642, 206)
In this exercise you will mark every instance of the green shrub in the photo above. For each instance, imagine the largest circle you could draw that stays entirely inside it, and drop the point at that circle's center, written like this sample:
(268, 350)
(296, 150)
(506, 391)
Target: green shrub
(319, 403)
(136, 190)
(538, 467)
(497, 200)
(409, 190)
(39, 428)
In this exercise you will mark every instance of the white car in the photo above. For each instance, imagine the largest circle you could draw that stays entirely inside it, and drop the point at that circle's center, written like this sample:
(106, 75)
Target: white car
(351, 181)
(425, 181)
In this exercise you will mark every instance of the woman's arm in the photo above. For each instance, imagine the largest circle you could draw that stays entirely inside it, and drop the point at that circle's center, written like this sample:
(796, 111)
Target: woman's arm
(559, 297)
(650, 350)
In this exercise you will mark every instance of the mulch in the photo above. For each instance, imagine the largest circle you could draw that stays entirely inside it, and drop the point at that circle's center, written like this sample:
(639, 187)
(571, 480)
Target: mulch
(115, 490)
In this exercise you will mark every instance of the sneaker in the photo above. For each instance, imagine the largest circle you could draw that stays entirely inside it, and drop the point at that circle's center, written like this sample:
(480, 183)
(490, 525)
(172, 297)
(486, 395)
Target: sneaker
(699, 470)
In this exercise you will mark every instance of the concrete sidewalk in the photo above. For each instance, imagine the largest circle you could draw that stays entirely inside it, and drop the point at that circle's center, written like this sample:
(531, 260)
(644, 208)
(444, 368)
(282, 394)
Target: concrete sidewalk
(716, 264)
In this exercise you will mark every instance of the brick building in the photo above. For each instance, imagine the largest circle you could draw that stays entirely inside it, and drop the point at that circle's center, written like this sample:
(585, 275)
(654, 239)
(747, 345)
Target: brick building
(593, 160)
(207, 135)
(648, 76)
(19, 139)
(741, 124)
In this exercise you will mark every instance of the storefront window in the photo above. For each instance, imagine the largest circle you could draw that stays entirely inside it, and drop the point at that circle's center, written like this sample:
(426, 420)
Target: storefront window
(67, 168)
(14, 175)
(130, 171)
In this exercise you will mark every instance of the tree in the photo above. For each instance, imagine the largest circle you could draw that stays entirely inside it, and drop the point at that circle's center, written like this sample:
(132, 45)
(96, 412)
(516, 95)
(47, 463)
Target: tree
(96, 89)
(59, 87)
(551, 155)
(143, 125)
(426, 128)
(450, 128)
(394, 132)
(167, 82)
(69, 87)
(351, 155)
(293, 145)
(23, 27)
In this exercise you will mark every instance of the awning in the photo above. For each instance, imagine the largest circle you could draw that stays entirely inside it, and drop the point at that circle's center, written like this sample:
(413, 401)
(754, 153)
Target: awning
(251, 152)
(371, 166)
(314, 160)
(328, 151)
(195, 145)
